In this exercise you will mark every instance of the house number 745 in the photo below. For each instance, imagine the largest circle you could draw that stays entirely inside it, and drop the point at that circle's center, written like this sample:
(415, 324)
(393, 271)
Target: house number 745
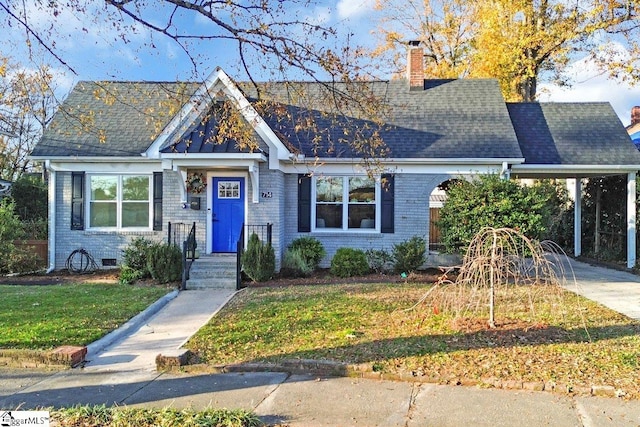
(267, 195)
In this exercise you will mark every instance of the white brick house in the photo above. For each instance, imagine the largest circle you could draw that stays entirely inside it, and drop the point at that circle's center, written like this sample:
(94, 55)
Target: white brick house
(120, 178)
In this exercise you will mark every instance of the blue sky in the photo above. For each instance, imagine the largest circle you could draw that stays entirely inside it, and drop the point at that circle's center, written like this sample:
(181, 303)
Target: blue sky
(96, 50)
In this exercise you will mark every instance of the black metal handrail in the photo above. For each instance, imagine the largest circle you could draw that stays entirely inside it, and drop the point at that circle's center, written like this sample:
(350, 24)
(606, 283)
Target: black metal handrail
(264, 232)
(188, 255)
(239, 251)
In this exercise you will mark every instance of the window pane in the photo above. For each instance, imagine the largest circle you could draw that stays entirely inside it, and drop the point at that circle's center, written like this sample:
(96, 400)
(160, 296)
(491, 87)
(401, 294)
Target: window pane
(103, 214)
(135, 188)
(228, 190)
(135, 214)
(362, 216)
(329, 189)
(329, 216)
(104, 188)
(362, 189)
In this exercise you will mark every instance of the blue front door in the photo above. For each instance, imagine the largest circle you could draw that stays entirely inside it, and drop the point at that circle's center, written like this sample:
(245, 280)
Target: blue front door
(228, 213)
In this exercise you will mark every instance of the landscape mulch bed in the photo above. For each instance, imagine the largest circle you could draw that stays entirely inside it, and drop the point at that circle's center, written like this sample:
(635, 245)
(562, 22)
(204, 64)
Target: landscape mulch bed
(320, 277)
(324, 277)
(62, 277)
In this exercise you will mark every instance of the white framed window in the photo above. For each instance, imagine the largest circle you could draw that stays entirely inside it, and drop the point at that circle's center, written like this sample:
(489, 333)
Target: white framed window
(348, 203)
(228, 189)
(119, 201)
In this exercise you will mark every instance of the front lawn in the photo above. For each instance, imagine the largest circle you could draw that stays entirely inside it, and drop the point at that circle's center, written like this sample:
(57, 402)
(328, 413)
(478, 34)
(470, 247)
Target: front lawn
(571, 341)
(44, 317)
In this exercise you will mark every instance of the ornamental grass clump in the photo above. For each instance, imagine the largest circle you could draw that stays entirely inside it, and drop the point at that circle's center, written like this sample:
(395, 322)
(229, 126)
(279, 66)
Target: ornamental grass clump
(310, 248)
(294, 264)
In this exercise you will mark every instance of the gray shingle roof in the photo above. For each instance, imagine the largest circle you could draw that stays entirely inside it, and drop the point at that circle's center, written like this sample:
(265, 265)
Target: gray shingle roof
(449, 119)
(111, 118)
(572, 134)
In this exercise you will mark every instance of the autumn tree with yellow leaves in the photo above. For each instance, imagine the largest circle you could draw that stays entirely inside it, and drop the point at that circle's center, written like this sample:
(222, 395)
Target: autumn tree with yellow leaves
(519, 42)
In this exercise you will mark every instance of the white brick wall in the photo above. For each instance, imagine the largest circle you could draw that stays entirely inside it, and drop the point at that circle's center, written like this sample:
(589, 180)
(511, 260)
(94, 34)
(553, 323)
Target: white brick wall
(411, 216)
(98, 244)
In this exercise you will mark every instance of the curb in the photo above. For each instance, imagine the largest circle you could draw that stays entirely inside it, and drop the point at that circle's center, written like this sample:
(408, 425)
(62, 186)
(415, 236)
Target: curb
(131, 325)
(181, 363)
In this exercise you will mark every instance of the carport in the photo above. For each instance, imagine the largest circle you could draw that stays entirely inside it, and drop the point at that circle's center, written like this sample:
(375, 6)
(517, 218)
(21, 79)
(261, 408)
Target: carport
(579, 141)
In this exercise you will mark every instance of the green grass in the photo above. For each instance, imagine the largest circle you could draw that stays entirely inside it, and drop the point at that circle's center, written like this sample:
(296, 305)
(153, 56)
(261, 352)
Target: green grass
(98, 416)
(44, 317)
(570, 340)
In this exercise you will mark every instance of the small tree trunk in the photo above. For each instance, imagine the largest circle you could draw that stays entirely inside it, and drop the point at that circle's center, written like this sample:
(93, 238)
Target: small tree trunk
(492, 322)
(598, 215)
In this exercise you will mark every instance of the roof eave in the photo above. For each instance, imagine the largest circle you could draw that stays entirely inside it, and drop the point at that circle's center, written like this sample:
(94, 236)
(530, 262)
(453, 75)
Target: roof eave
(557, 171)
(102, 159)
(261, 157)
(416, 161)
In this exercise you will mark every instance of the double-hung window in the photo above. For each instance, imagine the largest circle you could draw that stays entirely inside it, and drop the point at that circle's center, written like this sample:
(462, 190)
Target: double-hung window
(120, 201)
(346, 203)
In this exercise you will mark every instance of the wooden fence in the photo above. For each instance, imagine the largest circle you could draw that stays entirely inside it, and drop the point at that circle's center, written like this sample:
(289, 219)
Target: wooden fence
(434, 231)
(39, 247)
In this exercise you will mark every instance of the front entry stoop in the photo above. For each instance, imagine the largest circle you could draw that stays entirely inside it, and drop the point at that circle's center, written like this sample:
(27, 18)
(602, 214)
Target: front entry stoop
(213, 271)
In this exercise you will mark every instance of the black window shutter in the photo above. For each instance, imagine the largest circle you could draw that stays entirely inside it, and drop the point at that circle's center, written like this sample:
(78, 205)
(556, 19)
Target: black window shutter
(157, 201)
(387, 204)
(77, 200)
(304, 203)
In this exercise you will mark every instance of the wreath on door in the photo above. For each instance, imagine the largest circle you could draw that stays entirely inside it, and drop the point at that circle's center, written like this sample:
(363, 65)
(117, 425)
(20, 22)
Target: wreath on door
(196, 183)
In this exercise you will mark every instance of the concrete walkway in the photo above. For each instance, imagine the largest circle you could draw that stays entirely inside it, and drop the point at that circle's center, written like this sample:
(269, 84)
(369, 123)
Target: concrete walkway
(123, 374)
(156, 332)
(618, 290)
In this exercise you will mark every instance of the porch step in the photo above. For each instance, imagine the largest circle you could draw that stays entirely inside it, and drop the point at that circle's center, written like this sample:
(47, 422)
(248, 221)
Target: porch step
(213, 271)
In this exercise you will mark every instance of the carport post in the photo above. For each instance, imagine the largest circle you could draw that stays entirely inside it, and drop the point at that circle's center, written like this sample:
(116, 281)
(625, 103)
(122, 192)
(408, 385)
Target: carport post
(577, 218)
(631, 219)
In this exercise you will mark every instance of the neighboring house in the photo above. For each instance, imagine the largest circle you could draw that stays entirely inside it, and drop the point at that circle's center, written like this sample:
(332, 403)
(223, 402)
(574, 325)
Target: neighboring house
(129, 178)
(634, 128)
(5, 188)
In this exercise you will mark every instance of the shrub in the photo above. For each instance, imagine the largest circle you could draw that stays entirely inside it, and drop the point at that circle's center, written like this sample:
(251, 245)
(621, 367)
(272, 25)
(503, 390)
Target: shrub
(258, 260)
(35, 229)
(348, 262)
(490, 201)
(23, 260)
(128, 275)
(134, 260)
(409, 255)
(295, 265)
(378, 260)
(31, 197)
(164, 262)
(311, 250)
(13, 259)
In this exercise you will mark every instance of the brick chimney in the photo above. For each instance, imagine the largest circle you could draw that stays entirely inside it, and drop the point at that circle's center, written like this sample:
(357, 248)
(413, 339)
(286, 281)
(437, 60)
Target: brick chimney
(415, 65)
(635, 115)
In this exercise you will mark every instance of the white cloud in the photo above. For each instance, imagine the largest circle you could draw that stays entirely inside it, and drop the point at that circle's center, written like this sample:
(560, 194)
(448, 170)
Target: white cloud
(591, 85)
(354, 8)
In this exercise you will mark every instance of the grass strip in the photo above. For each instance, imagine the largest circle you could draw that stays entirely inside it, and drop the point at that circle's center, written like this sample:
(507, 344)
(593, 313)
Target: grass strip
(44, 317)
(568, 340)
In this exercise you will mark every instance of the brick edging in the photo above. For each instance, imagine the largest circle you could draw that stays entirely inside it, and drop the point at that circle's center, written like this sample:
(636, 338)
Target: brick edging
(61, 357)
